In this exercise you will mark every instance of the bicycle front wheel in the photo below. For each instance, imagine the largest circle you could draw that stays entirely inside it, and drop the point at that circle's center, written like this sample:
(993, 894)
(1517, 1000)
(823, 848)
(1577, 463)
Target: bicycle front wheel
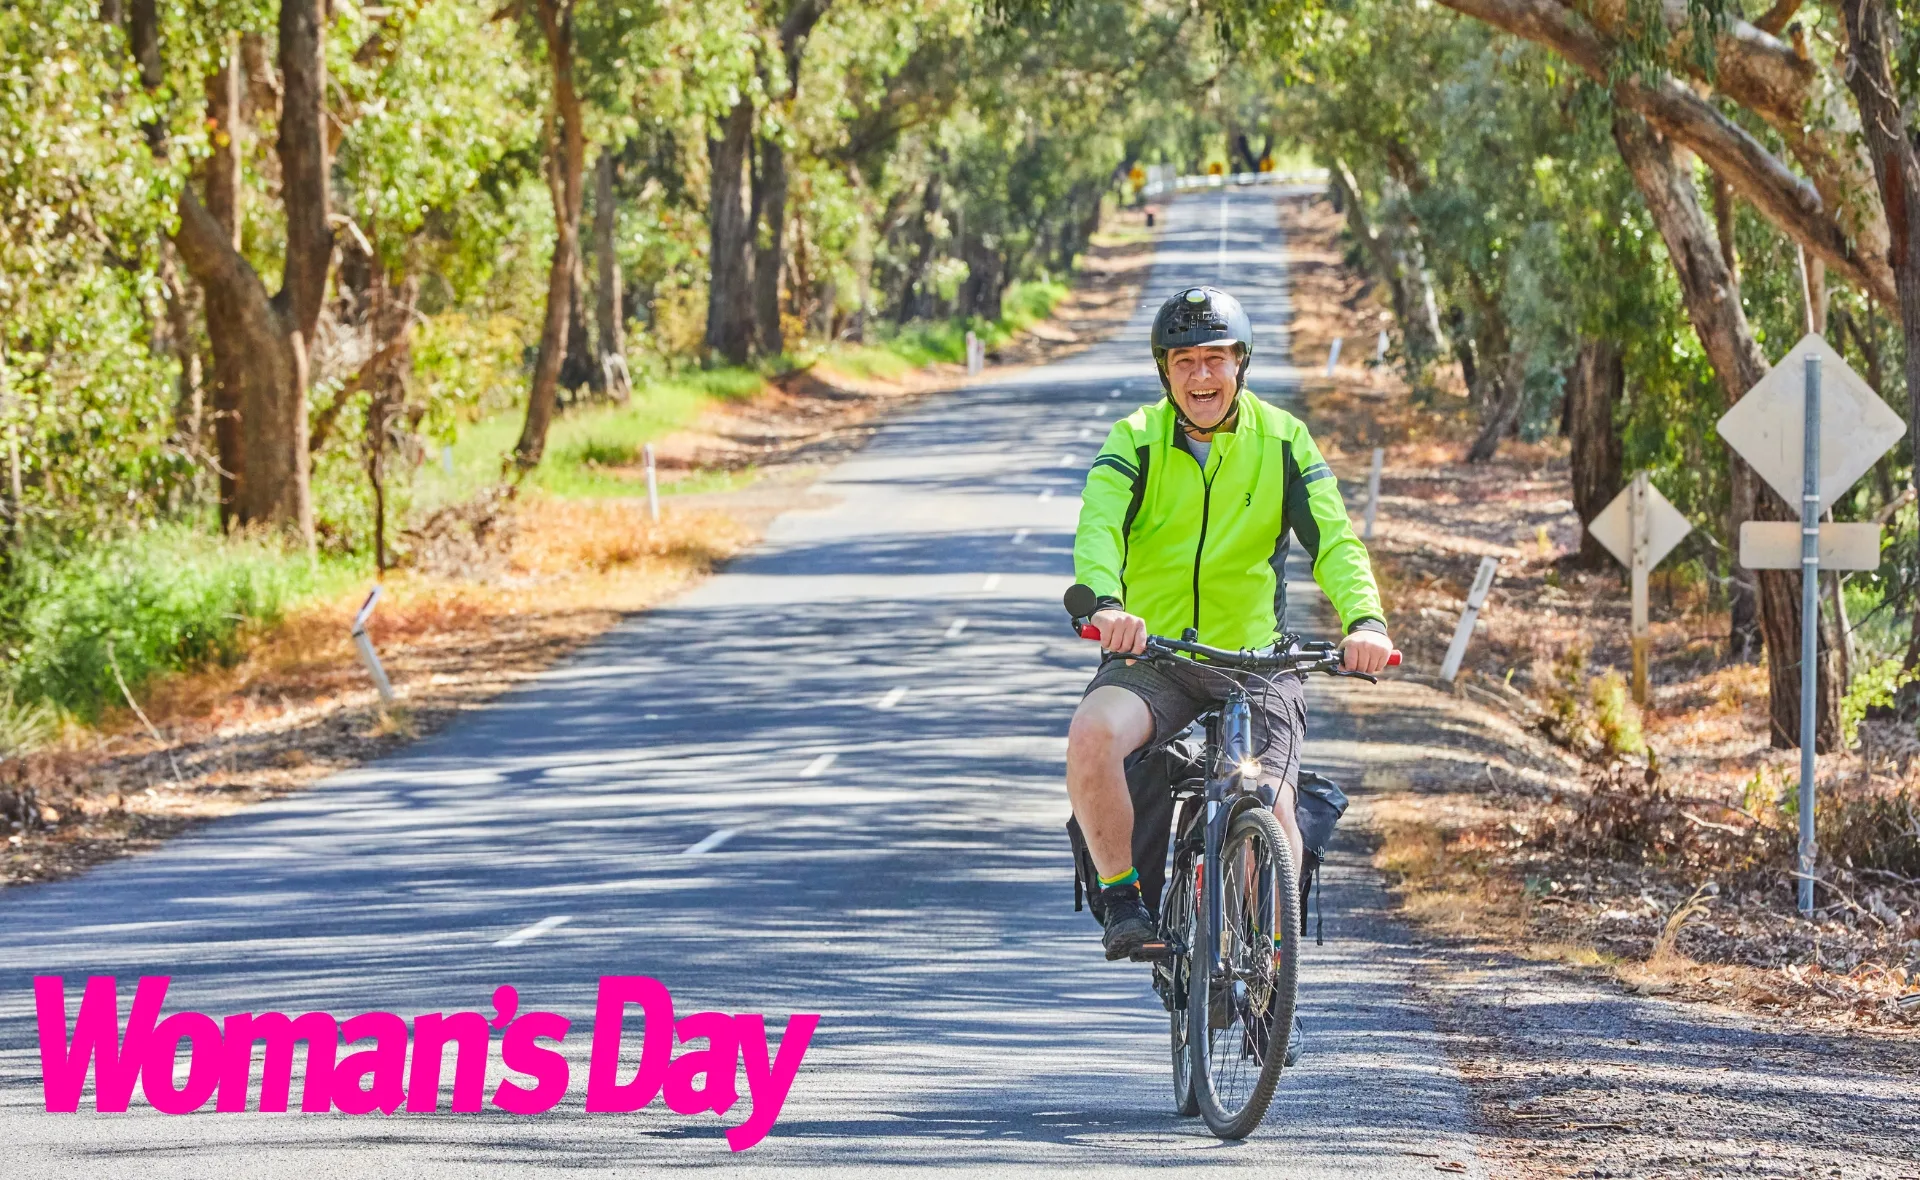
(1245, 975)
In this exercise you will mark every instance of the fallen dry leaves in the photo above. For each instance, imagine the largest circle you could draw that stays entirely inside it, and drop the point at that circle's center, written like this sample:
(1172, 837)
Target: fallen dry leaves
(1591, 863)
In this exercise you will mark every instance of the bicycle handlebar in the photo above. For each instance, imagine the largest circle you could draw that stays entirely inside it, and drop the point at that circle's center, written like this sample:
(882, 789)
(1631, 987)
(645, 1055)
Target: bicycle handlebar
(1291, 654)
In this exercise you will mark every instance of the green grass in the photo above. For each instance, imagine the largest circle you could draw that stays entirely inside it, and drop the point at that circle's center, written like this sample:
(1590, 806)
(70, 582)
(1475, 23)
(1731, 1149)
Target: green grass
(582, 443)
(895, 351)
(162, 601)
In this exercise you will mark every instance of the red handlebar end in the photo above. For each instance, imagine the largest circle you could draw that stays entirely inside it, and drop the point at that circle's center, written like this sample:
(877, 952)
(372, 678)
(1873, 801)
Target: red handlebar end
(1089, 631)
(1393, 661)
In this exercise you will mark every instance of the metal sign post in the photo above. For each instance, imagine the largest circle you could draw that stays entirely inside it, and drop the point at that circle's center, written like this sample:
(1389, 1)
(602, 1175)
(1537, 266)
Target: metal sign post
(1809, 622)
(1845, 427)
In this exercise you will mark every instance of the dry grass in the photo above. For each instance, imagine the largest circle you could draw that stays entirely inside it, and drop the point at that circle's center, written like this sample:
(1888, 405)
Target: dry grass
(1597, 866)
(500, 588)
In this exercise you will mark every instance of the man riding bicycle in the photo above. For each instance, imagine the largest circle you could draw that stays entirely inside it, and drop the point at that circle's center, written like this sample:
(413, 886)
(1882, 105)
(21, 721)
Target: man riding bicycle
(1185, 524)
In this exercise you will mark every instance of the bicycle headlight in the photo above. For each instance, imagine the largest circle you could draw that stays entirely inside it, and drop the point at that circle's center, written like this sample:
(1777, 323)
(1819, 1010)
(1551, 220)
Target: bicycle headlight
(1250, 768)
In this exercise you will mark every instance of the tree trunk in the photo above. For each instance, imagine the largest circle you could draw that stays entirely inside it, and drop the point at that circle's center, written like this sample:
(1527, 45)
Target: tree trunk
(770, 250)
(1712, 298)
(609, 310)
(1896, 166)
(581, 368)
(225, 194)
(260, 342)
(1595, 386)
(914, 300)
(566, 167)
(730, 234)
(1503, 410)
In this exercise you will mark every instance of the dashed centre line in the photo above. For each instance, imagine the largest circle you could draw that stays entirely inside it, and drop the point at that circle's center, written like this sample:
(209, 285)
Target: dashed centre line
(1046, 494)
(528, 933)
(1020, 535)
(954, 628)
(1069, 461)
(992, 582)
(709, 842)
(893, 696)
(818, 766)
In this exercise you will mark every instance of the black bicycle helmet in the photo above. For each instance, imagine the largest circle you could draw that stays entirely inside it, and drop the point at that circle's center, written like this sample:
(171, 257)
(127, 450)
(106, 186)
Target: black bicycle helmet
(1201, 315)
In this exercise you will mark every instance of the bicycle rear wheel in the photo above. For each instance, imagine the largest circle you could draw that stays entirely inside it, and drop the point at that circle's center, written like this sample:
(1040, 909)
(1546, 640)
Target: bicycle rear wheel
(1241, 1000)
(1179, 921)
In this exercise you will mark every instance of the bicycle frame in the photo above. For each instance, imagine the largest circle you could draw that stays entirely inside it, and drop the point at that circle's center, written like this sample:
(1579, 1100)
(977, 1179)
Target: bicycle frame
(1229, 791)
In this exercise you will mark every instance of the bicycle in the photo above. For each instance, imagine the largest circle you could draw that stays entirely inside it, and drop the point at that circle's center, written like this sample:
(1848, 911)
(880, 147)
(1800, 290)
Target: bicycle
(1227, 966)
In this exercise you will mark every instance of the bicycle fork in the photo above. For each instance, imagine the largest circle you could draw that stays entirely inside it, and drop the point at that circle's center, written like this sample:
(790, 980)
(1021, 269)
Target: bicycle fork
(1228, 779)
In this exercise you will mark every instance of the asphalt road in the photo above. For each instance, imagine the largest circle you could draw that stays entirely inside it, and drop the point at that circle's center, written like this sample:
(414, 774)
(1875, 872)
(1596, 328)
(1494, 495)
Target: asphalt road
(873, 705)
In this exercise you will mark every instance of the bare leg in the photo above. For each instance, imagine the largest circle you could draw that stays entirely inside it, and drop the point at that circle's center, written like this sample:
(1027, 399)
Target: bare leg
(1283, 804)
(1109, 724)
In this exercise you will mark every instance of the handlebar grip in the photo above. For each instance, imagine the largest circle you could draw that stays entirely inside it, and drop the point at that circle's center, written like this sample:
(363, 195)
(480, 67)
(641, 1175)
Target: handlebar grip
(1393, 661)
(1089, 631)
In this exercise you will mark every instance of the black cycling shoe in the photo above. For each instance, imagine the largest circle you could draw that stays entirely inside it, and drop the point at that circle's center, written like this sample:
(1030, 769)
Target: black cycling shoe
(1129, 926)
(1296, 1043)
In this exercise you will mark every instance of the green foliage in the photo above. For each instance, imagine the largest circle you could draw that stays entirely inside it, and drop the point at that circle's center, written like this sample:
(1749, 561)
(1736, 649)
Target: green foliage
(1872, 685)
(158, 601)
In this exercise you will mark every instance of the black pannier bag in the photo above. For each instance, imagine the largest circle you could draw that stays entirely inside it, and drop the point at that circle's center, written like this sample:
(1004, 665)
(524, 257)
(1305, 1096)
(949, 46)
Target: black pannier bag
(1318, 805)
(1150, 775)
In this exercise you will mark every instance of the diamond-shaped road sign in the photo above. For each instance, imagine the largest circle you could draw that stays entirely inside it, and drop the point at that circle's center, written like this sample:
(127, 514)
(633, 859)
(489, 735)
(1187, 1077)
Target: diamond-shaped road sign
(1666, 527)
(1768, 426)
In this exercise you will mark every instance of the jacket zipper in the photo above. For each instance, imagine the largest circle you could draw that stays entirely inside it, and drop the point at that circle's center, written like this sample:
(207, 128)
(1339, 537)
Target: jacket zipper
(1206, 503)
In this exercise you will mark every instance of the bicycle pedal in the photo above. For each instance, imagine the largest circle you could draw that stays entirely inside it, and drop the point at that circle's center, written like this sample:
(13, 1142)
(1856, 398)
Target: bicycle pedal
(1155, 952)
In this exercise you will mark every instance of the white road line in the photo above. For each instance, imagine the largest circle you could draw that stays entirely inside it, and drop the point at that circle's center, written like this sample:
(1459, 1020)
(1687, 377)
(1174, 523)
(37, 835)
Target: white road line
(1046, 494)
(894, 696)
(1069, 461)
(992, 582)
(818, 766)
(536, 930)
(709, 842)
(1222, 267)
(1086, 432)
(1113, 393)
(954, 628)
(1020, 535)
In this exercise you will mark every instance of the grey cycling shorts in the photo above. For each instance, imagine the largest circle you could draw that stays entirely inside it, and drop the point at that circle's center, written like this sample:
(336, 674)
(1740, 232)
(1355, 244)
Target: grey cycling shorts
(1178, 690)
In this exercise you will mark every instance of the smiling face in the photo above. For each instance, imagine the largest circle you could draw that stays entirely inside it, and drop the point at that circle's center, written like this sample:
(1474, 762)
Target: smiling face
(1204, 379)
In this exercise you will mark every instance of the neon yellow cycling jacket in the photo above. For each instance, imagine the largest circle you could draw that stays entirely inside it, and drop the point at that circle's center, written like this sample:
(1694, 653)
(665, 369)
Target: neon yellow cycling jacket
(1185, 547)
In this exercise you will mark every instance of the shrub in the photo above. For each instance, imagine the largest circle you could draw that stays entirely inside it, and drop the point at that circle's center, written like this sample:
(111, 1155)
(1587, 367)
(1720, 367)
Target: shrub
(156, 602)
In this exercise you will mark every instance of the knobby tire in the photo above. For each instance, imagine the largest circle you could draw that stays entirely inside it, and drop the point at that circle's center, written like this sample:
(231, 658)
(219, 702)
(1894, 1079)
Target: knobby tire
(1236, 1068)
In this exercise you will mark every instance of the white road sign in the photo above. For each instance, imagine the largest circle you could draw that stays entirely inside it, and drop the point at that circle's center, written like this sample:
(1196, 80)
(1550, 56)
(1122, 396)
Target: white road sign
(1775, 545)
(1768, 426)
(1666, 527)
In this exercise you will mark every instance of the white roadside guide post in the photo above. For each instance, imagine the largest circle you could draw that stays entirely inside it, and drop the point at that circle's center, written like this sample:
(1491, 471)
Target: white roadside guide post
(1457, 650)
(1373, 492)
(1814, 451)
(653, 486)
(1333, 356)
(365, 643)
(1639, 527)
